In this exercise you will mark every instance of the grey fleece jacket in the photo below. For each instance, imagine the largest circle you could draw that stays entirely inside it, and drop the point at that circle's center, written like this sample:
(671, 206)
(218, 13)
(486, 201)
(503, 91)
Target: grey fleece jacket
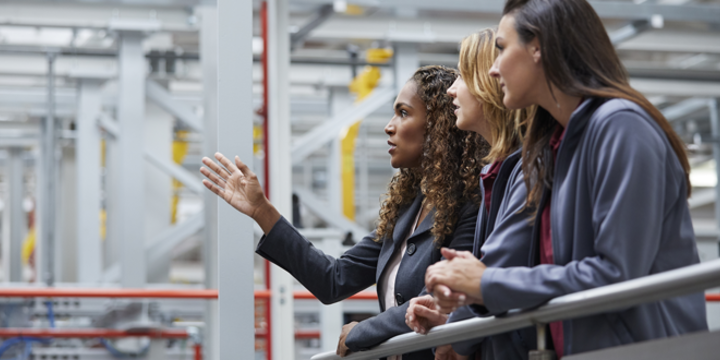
(619, 211)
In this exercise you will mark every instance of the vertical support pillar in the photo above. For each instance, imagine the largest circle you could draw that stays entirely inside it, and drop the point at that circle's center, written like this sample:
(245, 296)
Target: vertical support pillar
(48, 180)
(406, 62)
(12, 258)
(87, 152)
(235, 231)
(715, 128)
(209, 57)
(331, 316)
(281, 302)
(131, 115)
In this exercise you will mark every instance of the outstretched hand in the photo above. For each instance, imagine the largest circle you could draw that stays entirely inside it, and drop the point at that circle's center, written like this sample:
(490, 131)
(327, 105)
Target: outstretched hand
(239, 186)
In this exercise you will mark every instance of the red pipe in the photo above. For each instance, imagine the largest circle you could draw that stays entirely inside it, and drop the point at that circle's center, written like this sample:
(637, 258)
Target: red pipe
(111, 333)
(712, 297)
(198, 352)
(109, 293)
(91, 333)
(299, 334)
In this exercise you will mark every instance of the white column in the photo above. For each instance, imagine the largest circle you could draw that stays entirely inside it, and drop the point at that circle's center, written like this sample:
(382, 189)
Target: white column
(283, 316)
(235, 231)
(47, 186)
(208, 57)
(331, 316)
(131, 115)
(87, 152)
(406, 62)
(12, 258)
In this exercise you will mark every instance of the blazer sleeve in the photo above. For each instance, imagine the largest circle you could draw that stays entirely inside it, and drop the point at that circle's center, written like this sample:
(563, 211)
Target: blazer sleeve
(508, 245)
(391, 322)
(329, 279)
(628, 162)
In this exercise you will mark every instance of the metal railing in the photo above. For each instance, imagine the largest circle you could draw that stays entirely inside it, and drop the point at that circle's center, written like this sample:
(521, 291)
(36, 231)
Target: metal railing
(682, 281)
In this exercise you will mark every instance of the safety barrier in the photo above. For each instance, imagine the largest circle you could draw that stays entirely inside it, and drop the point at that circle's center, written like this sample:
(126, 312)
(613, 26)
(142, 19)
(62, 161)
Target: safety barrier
(683, 281)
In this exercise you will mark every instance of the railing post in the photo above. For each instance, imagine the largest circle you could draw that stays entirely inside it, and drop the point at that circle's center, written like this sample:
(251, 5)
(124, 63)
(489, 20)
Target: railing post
(542, 353)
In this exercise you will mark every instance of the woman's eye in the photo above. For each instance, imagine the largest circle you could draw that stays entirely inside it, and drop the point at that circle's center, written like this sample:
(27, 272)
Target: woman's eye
(403, 113)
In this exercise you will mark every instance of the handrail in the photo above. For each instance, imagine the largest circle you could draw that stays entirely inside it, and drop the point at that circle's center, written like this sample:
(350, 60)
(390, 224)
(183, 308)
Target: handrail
(28, 292)
(629, 293)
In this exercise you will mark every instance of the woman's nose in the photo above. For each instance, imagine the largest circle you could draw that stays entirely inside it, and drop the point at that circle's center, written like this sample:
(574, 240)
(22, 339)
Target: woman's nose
(389, 128)
(494, 72)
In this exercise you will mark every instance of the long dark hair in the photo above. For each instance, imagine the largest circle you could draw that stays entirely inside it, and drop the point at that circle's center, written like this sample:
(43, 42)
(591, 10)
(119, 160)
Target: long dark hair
(579, 59)
(451, 164)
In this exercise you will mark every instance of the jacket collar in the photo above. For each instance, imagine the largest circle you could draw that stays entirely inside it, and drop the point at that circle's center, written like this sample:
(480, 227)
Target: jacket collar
(407, 219)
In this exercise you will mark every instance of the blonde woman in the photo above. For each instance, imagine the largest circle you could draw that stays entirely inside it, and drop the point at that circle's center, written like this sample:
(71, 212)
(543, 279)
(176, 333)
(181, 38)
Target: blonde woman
(503, 231)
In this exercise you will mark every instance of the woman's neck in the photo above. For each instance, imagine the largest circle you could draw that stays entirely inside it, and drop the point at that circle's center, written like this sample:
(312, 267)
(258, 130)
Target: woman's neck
(561, 106)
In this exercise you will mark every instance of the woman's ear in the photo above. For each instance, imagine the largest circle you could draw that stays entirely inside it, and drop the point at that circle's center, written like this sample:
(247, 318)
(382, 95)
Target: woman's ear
(534, 48)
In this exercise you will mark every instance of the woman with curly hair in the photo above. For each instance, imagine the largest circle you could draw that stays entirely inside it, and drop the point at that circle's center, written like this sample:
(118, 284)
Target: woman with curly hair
(503, 227)
(431, 202)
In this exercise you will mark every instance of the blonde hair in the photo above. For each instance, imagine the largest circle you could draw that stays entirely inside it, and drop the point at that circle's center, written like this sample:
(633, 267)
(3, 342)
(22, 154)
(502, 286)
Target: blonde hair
(477, 55)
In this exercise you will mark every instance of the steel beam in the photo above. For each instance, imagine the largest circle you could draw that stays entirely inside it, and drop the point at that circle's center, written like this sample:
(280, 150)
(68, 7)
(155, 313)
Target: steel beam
(87, 152)
(334, 219)
(160, 246)
(235, 231)
(181, 111)
(319, 136)
(208, 49)
(131, 115)
(683, 108)
(178, 172)
(324, 13)
(110, 125)
(629, 31)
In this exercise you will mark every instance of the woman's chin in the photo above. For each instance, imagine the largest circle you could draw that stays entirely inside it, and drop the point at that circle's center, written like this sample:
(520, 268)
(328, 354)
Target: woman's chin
(462, 124)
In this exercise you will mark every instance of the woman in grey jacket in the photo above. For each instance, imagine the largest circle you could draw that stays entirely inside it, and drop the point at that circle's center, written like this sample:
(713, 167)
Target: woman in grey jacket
(606, 175)
(431, 202)
(502, 227)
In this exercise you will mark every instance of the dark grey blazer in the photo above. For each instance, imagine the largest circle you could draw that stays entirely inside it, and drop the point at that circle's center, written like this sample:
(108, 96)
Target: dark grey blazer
(333, 279)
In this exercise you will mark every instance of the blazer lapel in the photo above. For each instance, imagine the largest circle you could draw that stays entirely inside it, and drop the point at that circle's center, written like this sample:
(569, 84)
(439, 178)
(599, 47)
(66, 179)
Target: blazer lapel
(425, 225)
(406, 220)
(402, 226)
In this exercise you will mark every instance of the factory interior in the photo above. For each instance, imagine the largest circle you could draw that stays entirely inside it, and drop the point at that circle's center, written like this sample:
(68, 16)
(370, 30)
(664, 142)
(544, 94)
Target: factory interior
(111, 247)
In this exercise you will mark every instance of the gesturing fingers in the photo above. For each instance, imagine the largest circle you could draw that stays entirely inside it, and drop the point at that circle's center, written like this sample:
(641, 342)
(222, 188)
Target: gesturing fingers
(219, 170)
(226, 163)
(218, 191)
(213, 177)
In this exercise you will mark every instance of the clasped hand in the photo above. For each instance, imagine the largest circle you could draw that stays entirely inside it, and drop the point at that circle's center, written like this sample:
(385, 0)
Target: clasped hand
(455, 282)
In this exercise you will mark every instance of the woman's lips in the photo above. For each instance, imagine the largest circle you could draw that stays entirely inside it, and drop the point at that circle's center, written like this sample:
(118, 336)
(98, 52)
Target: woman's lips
(392, 147)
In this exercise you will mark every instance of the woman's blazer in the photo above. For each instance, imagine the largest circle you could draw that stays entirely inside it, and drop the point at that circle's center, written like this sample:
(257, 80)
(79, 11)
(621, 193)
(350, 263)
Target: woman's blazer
(502, 239)
(333, 279)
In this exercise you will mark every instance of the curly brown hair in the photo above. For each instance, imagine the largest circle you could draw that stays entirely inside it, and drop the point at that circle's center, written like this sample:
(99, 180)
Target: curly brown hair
(449, 173)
